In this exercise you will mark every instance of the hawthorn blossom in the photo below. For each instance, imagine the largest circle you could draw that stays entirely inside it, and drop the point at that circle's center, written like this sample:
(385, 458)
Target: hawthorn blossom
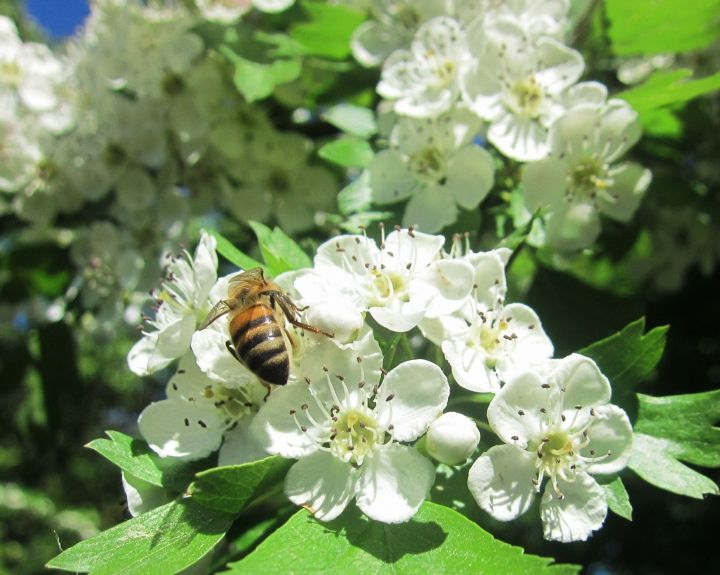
(582, 178)
(345, 425)
(436, 164)
(423, 81)
(183, 302)
(452, 438)
(398, 283)
(486, 341)
(557, 426)
(517, 86)
(223, 11)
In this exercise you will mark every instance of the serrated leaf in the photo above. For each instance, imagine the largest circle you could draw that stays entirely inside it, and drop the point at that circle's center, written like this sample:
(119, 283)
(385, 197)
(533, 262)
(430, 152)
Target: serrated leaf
(617, 496)
(628, 357)
(686, 423)
(232, 487)
(164, 540)
(354, 120)
(280, 252)
(652, 27)
(356, 196)
(347, 152)
(438, 540)
(652, 459)
(234, 255)
(255, 80)
(668, 88)
(329, 30)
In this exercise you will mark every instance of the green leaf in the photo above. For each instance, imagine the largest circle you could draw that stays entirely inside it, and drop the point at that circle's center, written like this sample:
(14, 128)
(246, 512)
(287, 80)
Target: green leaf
(164, 540)
(129, 454)
(354, 120)
(617, 497)
(356, 196)
(437, 540)
(280, 252)
(347, 152)
(653, 460)
(257, 81)
(628, 357)
(234, 255)
(232, 487)
(652, 27)
(329, 30)
(666, 88)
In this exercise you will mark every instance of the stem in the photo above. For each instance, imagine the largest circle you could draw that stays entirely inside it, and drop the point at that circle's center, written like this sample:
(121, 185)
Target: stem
(406, 346)
(482, 426)
(392, 350)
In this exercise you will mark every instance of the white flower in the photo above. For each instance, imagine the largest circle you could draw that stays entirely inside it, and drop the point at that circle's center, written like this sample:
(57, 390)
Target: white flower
(183, 304)
(436, 164)
(191, 422)
(486, 342)
(581, 178)
(452, 438)
(423, 81)
(399, 283)
(536, 19)
(345, 426)
(559, 426)
(20, 153)
(223, 11)
(517, 86)
(142, 496)
(392, 27)
(272, 6)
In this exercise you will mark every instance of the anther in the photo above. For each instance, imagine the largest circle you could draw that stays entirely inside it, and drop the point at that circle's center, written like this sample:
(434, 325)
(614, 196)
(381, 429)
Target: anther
(545, 386)
(187, 422)
(304, 406)
(390, 397)
(202, 424)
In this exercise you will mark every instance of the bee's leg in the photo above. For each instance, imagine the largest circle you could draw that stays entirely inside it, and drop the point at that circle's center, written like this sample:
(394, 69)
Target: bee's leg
(290, 310)
(269, 390)
(233, 352)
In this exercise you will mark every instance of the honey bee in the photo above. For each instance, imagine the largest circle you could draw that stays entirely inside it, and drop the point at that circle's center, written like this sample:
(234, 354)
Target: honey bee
(256, 307)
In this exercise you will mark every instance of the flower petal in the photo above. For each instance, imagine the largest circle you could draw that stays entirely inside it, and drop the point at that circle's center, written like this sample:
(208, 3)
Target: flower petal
(430, 209)
(390, 178)
(471, 173)
(623, 197)
(611, 432)
(322, 483)
(141, 495)
(515, 411)
(581, 511)
(394, 483)
(158, 349)
(419, 392)
(452, 280)
(240, 445)
(214, 358)
(501, 481)
(582, 381)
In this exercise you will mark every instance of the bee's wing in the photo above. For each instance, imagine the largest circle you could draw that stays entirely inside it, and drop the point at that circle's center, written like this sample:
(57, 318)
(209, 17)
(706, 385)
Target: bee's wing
(218, 310)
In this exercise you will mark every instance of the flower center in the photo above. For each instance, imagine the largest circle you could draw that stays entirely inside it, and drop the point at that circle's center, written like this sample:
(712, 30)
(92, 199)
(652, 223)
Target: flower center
(428, 164)
(11, 74)
(588, 179)
(526, 98)
(353, 436)
(490, 335)
(233, 403)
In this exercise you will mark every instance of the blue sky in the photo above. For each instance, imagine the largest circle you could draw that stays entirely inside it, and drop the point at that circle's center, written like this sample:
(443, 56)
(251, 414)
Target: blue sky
(59, 17)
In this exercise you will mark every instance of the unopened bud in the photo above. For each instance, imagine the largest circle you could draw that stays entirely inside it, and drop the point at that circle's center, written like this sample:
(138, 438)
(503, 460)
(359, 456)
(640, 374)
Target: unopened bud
(452, 438)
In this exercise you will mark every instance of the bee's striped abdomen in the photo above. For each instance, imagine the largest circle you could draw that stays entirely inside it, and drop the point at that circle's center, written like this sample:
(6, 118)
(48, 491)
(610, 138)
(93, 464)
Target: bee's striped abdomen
(259, 342)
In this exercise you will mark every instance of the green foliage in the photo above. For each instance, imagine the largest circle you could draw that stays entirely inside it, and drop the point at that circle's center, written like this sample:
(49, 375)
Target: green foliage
(328, 31)
(354, 120)
(628, 357)
(164, 540)
(348, 152)
(226, 249)
(280, 252)
(652, 27)
(617, 496)
(438, 540)
(231, 488)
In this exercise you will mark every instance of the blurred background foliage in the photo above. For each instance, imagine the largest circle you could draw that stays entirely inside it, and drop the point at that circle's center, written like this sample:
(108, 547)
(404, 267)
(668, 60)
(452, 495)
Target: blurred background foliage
(62, 386)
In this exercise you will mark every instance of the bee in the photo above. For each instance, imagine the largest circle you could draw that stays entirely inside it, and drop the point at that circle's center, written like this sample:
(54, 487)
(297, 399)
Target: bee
(256, 307)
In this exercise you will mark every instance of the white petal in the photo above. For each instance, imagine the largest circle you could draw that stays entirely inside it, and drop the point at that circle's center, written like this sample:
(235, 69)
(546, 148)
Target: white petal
(240, 446)
(519, 138)
(419, 391)
(205, 266)
(530, 347)
(372, 42)
(611, 432)
(581, 511)
(470, 176)
(158, 349)
(430, 209)
(501, 481)
(515, 410)
(572, 227)
(394, 483)
(469, 366)
(452, 438)
(452, 281)
(214, 358)
(629, 184)
(489, 277)
(419, 248)
(544, 183)
(272, 6)
(176, 429)
(141, 495)
(402, 317)
(583, 382)
(322, 483)
(561, 66)
(390, 178)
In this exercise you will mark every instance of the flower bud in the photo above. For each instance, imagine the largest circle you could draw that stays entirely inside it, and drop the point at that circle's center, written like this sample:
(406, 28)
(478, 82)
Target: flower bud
(452, 438)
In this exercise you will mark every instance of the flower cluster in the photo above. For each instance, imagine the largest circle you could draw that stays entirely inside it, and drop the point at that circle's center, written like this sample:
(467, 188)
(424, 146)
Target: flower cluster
(353, 426)
(458, 74)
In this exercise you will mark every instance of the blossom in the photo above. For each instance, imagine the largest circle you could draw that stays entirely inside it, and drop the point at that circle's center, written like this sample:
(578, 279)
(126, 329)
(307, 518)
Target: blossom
(560, 426)
(346, 425)
(223, 11)
(398, 283)
(452, 438)
(581, 178)
(517, 86)
(191, 422)
(183, 303)
(486, 341)
(435, 163)
(423, 81)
